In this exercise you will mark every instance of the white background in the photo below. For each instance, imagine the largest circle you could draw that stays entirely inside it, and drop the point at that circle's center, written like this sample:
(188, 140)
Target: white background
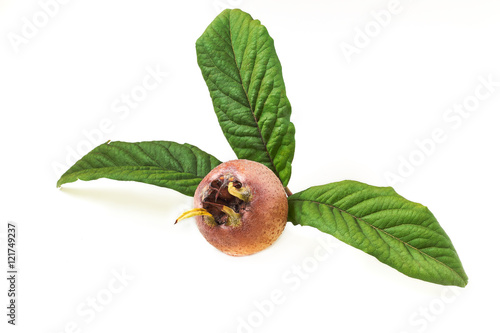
(354, 120)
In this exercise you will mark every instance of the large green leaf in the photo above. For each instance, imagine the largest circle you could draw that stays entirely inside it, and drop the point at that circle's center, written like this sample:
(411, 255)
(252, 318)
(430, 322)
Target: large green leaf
(400, 233)
(243, 73)
(180, 167)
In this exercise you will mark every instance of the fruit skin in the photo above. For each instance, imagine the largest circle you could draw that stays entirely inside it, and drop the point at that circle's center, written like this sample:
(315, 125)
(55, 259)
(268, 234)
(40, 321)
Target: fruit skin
(263, 218)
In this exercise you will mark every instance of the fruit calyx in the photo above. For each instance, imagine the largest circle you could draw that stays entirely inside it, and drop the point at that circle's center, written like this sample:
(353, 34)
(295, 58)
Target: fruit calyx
(223, 202)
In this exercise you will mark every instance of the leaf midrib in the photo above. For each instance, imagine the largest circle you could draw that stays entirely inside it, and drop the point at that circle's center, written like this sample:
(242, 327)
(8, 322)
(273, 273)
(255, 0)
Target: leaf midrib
(275, 170)
(76, 174)
(383, 231)
(132, 167)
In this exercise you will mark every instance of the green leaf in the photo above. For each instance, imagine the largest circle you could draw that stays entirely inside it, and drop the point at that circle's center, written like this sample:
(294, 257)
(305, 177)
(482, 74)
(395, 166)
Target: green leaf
(180, 167)
(243, 74)
(400, 233)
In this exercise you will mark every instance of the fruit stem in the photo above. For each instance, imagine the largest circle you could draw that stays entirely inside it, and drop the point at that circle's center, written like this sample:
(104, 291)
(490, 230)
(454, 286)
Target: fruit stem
(288, 192)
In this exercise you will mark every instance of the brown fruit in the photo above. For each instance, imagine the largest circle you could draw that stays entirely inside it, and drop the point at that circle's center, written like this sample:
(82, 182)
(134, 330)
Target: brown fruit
(241, 207)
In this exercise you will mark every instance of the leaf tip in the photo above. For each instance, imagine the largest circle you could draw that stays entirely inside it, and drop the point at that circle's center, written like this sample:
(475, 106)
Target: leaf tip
(465, 281)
